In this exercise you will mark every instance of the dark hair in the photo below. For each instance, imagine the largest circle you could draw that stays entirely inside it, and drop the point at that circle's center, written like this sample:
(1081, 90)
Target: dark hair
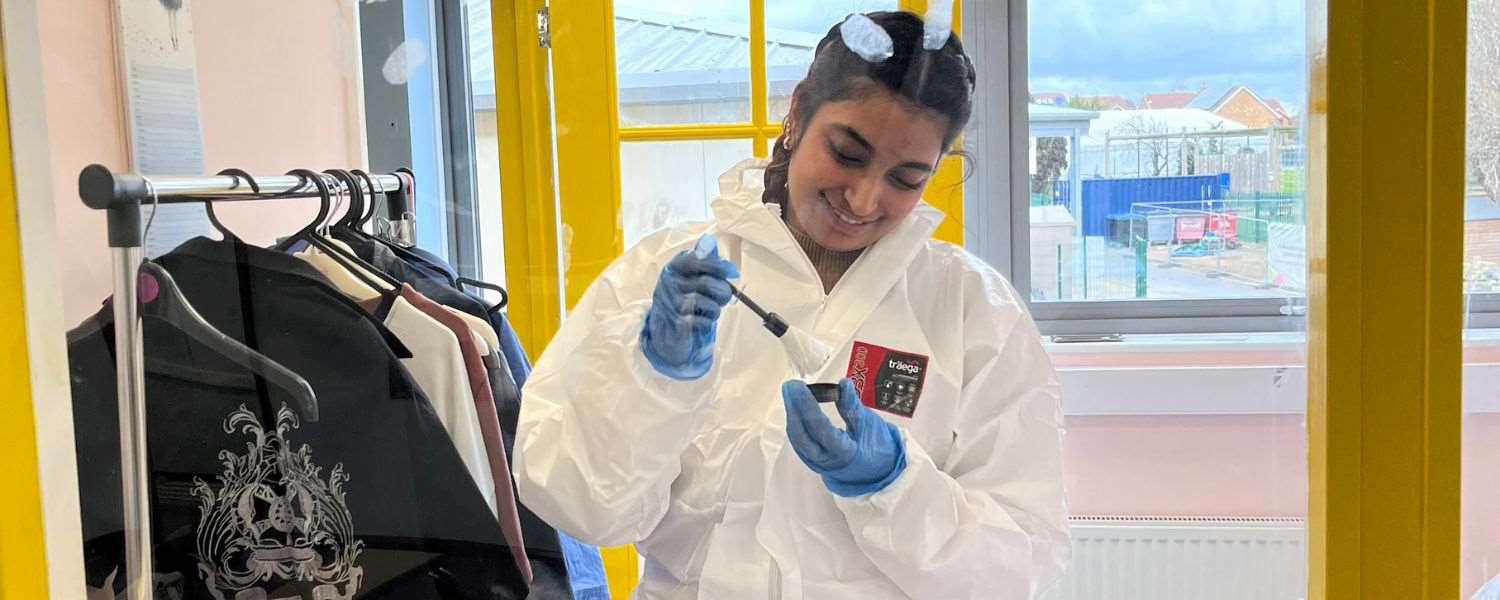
(941, 81)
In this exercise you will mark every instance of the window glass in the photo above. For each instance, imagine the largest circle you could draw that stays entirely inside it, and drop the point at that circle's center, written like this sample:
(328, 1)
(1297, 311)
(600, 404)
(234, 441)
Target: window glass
(1166, 157)
(481, 72)
(670, 183)
(793, 30)
(682, 61)
(1481, 481)
(1166, 163)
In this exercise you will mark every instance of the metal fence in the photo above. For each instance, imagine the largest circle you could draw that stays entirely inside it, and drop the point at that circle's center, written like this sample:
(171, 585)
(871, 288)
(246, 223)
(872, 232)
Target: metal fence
(1214, 248)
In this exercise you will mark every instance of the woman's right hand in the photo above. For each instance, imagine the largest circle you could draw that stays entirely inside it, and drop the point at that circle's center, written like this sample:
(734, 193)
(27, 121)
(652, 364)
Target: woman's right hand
(678, 336)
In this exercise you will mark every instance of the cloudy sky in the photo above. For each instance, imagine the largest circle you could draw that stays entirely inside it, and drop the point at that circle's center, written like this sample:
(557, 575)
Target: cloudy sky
(1124, 47)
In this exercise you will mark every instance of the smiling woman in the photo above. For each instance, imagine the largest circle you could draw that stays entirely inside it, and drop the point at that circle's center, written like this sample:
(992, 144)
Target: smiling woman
(935, 472)
(863, 137)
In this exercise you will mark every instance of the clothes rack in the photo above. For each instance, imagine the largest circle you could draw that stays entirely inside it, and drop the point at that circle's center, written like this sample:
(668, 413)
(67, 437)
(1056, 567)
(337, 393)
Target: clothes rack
(121, 196)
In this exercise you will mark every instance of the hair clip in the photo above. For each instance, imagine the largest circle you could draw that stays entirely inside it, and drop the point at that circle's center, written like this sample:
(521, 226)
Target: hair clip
(937, 24)
(867, 39)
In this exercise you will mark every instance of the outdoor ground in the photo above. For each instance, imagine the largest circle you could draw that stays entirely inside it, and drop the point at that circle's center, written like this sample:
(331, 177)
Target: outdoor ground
(1238, 272)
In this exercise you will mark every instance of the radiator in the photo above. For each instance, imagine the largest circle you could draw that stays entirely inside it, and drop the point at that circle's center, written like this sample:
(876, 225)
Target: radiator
(1189, 558)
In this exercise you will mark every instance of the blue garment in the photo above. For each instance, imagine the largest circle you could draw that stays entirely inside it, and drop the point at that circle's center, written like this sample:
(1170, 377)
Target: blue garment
(510, 345)
(862, 459)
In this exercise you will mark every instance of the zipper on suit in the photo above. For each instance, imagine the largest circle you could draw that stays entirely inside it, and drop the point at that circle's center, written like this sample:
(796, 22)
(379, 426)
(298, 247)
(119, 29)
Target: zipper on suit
(813, 269)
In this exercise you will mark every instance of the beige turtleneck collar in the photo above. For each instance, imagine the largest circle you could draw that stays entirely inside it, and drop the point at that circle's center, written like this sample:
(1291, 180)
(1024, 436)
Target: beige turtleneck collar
(830, 264)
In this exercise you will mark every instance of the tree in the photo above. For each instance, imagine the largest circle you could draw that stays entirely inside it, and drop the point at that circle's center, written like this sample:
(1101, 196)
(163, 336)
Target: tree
(1151, 142)
(1051, 159)
(1484, 97)
(1086, 103)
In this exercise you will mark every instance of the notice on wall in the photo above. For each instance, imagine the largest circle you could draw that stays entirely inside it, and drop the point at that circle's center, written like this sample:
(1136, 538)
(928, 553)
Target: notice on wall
(1286, 256)
(159, 64)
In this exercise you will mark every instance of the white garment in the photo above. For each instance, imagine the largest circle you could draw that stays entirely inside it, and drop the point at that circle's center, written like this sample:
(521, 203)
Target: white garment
(699, 475)
(437, 365)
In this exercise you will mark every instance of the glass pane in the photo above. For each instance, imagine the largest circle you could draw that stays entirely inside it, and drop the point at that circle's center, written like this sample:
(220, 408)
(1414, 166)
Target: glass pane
(1167, 170)
(671, 183)
(793, 30)
(682, 61)
(481, 69)
(1185, 455)
(1481, 442)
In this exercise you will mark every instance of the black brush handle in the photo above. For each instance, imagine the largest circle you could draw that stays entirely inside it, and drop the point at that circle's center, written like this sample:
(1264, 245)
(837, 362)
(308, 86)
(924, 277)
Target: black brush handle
(772, 321)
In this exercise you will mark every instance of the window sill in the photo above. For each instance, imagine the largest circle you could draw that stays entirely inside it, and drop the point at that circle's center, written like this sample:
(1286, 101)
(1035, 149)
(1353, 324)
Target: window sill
(1223, 374)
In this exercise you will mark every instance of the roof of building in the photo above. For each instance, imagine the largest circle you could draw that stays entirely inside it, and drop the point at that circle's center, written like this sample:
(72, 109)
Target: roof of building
(1480, 208)
(707, 58)
(1167, 120)
(1048, 112)
(1173, 99)
(1276, 106)
(1206, 101)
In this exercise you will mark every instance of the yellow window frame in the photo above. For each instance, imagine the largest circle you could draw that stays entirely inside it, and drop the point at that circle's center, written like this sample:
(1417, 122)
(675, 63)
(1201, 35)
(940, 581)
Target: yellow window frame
(1385, 171)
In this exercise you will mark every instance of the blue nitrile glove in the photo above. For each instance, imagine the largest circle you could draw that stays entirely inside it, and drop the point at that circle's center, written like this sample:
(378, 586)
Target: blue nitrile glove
(863, 459)
(678, 336)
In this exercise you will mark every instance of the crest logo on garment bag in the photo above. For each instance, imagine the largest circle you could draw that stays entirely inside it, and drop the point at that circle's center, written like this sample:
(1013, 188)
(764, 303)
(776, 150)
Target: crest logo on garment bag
(275, 528)
(887, 380)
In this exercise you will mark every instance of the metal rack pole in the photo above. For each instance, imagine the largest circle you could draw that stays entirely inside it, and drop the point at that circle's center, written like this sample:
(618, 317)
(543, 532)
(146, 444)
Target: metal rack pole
(121, 196)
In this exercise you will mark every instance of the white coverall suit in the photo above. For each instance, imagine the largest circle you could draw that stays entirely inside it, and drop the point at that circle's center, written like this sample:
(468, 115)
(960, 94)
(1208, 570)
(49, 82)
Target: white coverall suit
(698, 474)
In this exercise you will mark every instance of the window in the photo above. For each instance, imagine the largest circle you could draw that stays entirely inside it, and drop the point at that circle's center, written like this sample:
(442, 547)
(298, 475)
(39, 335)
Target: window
(1157, 189)
(1164, 170)
(672, 182)
(1480, 553)
(479, 70)
(429, 94)
(689, 66)
(793, 30)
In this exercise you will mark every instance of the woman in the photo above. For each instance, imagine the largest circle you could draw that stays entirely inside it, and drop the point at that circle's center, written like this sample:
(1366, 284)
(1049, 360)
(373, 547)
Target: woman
(658, 416)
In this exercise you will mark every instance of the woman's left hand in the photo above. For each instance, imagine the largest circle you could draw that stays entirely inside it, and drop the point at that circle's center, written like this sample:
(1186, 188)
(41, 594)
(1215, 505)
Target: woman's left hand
(862, 459)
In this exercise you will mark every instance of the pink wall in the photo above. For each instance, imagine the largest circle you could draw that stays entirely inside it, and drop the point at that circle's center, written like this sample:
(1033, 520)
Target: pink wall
(1245, 465)
(1481, 500)
(278, 90)
(1253, 465)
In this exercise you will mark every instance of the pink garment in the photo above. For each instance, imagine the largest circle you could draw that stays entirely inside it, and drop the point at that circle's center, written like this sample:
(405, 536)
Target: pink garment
(489, 422)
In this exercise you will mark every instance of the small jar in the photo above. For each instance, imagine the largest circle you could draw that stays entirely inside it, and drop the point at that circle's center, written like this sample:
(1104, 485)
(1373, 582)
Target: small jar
(825, 393)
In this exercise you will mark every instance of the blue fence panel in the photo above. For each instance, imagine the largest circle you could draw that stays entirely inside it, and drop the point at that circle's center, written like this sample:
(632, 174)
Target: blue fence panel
(1105, 197)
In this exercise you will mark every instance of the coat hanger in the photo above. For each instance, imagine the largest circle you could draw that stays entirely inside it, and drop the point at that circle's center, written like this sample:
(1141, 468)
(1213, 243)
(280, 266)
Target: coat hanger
(504, 295)
(208, 204)
(356, 265)
(302, 234)
(162, 300)
(309, 233)
(453, 281)
(372, 205)
(356, 198)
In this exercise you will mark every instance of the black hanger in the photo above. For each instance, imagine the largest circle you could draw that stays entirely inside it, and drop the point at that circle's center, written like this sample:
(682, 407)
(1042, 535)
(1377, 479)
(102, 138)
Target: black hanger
(356, 199)
(372, 205)
(161, 299)
(453, 281)
(504, 295)
(302, 234)
(355, 265)
(368, 204)
(208, 203)
(309, 233)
